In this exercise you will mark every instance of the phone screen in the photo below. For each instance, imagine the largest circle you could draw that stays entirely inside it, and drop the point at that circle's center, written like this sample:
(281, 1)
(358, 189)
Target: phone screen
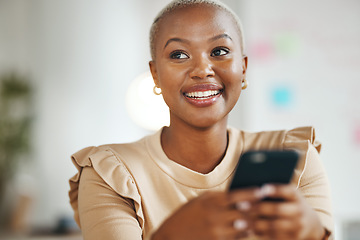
(256, 168)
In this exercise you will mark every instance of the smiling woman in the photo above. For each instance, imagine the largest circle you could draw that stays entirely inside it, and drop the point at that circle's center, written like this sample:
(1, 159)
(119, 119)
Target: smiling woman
(210, 60)
(187, 64)
(174, 184)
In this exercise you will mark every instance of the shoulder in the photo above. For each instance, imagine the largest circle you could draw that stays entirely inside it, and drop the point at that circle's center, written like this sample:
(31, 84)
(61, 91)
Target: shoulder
(105, 161)
(110, 153)
(300, 137)
(108, 165)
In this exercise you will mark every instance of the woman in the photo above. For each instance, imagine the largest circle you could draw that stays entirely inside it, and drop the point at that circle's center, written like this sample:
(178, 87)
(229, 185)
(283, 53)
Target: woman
(173, 184)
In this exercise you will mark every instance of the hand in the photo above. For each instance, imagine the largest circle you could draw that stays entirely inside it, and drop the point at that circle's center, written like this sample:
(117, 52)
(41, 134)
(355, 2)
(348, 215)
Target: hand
(291, 218)
(213, 215)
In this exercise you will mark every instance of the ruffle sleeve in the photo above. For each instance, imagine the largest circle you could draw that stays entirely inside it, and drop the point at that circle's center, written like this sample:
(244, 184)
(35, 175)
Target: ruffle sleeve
(111, 170)
(301, 139)
(302, 136)
(310, 176)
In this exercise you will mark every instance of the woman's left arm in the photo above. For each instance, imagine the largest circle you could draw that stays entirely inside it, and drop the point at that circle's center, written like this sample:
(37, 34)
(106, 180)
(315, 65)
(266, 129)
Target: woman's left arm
(305, 212)
(290, 218)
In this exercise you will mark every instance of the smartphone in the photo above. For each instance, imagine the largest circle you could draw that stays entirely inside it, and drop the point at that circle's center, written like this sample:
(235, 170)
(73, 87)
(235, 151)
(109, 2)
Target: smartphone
(256, 168)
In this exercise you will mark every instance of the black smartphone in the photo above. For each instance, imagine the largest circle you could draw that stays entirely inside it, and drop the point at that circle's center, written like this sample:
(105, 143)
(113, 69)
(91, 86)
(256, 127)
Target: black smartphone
(256, 168)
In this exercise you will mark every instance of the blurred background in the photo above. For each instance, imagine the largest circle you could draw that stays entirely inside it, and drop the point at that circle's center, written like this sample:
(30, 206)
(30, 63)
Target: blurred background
(74, 74)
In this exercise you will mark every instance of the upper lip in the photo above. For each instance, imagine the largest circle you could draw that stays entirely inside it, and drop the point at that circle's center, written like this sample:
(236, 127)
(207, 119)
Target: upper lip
(202, 87)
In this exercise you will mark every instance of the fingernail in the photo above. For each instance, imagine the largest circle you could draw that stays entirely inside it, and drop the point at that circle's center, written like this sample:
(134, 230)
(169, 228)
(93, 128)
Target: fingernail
(240, 224)
(267, 190)
(250, 233)
(258, 193)
(243, 206)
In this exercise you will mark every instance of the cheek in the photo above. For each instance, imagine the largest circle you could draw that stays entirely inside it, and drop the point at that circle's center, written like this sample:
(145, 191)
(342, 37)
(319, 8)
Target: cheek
(170, 85)
(232, 78)
(171, 77)
(237, 68)
(232, 71)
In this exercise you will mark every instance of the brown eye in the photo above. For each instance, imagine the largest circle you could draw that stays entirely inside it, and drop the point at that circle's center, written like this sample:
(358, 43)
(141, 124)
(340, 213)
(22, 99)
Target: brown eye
(219, 52)
(178, 55)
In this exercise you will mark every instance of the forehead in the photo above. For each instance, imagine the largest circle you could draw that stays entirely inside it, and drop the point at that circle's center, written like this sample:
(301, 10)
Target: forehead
(199, 20)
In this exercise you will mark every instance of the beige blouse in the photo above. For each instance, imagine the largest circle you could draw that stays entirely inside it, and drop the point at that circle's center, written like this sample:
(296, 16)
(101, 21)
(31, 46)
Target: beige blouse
(125, 191)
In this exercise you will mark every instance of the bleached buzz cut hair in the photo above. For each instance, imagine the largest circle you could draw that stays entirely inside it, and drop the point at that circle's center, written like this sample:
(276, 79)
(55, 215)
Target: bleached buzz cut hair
(178, 4)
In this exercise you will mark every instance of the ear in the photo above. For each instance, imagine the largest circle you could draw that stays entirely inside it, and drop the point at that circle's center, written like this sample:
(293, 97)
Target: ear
(153, 71)
(244, 63)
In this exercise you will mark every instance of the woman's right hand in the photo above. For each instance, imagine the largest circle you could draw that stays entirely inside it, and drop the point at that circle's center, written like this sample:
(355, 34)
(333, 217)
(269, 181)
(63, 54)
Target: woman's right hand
(213, 215)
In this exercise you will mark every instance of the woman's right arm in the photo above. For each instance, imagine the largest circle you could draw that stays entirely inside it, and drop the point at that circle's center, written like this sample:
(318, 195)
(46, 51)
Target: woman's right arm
(213, 215)
(103, 213)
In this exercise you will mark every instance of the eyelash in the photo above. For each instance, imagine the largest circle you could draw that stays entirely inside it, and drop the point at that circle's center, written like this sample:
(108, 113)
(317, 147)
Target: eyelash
(178, 52)
(226, 50)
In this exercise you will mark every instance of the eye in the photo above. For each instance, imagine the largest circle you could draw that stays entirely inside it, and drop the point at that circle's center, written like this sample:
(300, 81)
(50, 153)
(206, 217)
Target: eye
(178, 55)
(219, 52)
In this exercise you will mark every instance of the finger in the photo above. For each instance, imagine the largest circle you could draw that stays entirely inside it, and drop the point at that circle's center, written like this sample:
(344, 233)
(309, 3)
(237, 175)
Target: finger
(244, 195)
(274, 228)
(239, 223)
(230, 233)
(214, 200)
(286, 192)
(228, 216)
(243, 206)
(240, 228)
(270, 209)
(230, 229)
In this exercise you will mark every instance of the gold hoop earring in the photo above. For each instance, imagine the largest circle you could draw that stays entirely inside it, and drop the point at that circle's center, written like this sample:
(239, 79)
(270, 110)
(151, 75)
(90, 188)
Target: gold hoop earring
(155, 91)
(244, 84)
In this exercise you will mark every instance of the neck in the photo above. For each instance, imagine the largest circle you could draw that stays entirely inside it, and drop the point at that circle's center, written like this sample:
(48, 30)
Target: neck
(200, 149)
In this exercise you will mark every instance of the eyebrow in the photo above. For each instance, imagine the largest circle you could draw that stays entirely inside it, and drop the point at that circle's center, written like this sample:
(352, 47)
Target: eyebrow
(175, 40)
(224, 35)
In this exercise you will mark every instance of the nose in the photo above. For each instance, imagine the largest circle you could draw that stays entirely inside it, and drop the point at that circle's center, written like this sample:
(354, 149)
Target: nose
(202, 68)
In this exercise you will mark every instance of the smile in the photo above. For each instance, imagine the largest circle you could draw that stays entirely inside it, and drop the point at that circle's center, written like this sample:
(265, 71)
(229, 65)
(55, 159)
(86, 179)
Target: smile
(202, 94)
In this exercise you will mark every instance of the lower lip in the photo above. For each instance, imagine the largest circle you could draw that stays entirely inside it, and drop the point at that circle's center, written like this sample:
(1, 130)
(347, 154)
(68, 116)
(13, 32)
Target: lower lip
(203, 102)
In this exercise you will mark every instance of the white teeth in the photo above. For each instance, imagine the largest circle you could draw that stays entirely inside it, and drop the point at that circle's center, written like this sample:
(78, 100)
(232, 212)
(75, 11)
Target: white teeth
(202, 94)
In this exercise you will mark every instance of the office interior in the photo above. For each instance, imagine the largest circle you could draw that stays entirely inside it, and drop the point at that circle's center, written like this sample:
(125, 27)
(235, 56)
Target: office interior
(81, 71)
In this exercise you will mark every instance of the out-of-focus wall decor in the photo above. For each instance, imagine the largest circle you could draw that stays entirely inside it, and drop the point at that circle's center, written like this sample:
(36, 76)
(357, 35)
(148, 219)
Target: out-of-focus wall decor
(146, 108)
(15, 130)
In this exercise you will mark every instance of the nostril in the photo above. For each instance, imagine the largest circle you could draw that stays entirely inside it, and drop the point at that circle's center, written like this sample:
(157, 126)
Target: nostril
(201, 72)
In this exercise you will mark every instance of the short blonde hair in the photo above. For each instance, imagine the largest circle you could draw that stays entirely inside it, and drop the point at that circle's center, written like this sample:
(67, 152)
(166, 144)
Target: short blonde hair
(177, 4)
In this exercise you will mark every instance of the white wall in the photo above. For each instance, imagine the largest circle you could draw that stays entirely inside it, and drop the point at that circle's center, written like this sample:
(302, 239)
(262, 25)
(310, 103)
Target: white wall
(82, 56)
(312, 50)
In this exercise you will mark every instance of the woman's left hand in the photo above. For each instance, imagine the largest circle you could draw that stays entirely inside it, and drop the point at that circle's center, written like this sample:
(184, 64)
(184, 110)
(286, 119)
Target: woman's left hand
(290, 218)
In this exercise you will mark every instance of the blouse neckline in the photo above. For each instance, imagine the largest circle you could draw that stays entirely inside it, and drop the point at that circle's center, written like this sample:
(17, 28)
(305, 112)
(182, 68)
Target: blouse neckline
(189, 177)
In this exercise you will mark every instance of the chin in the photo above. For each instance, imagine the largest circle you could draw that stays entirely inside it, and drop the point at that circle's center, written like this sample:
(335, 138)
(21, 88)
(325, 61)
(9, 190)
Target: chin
(202, 118)
(207, 123)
